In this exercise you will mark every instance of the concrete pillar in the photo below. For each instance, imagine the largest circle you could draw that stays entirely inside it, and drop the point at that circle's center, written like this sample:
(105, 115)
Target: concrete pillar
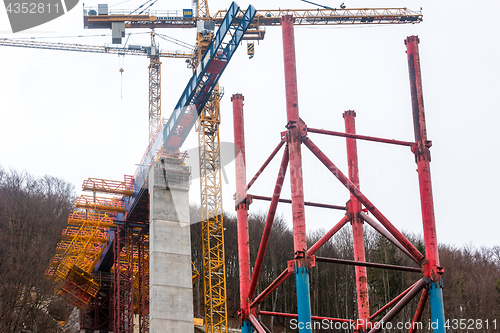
(170, 275)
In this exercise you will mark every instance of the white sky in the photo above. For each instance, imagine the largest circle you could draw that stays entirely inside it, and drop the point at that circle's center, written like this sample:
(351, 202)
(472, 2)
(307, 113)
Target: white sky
(62, 113)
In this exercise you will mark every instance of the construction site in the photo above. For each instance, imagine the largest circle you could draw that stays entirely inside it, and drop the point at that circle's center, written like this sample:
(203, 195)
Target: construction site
(125, 257)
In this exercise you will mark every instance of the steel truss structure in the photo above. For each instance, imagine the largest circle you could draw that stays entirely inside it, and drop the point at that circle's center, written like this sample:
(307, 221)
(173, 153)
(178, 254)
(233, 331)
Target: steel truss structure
(212, 223)
(214, 272)
(297, 135)
(84, 240)
(154, 89)
(141, 282)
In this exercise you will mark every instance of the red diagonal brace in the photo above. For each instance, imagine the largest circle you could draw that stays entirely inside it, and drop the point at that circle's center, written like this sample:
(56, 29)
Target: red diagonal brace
(361, 197)
(266, 163)
(275, 284)
(269, 223)
(388, 305)
(419, 312)
(327, 236)
(256, 324)
(419, 285)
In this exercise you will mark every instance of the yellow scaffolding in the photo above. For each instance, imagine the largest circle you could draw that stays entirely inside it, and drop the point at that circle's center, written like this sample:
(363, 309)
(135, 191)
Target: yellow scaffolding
(84, 240)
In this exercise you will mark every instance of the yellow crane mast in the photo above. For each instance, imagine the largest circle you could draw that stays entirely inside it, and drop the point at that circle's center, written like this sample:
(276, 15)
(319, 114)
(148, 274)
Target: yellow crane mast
(154, 88)
(214, 268)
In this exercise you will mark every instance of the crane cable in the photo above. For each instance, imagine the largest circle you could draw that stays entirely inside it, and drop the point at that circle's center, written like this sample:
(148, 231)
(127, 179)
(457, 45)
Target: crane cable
(144, 4)
(116, 4)
(121, 60)
(316, 4)
(175, 41)
(142, 11)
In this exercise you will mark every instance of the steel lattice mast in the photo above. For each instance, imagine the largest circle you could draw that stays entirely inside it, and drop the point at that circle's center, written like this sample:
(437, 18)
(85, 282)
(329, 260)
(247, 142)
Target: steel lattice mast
(214, 274)
(214, 268)
(154, 88)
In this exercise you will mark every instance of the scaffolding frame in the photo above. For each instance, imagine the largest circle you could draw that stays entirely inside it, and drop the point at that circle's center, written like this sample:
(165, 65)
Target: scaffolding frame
(304, 258)
(123, 280)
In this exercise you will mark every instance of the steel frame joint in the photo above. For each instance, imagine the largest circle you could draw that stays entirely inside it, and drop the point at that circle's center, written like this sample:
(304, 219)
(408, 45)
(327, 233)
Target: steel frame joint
(308, 263)
(283, 136)
(352, 209)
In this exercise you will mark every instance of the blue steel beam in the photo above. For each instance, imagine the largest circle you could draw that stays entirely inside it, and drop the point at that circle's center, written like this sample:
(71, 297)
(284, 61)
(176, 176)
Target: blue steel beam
(208, 72)
(197, 92)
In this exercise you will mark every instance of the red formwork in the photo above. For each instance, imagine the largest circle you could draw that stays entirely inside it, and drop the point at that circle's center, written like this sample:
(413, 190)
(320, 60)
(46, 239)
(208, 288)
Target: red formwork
(356, 208)
(143, 281)
(124, 292)
(123, 295)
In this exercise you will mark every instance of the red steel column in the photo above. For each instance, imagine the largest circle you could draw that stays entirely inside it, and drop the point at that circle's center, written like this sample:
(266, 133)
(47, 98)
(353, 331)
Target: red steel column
(432, 270)
(294, 138)
(423, 157)
(353, 209)
(241, 206)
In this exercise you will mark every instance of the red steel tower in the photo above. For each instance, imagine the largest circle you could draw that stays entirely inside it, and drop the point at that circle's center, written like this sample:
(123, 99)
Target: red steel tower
(356, 210)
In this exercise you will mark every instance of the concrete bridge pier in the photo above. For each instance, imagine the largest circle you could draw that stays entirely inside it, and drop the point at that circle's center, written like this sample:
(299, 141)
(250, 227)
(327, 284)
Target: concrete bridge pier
(170, 274)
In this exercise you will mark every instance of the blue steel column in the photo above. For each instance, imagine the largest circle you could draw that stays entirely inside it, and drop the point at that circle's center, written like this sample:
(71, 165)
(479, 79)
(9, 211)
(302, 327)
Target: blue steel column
(246, 327)
(431, 268)
(294, 141)
(437, 307)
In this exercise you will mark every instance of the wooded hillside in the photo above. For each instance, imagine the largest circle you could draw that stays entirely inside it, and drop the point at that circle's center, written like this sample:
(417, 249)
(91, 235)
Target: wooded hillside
(471, 279)
(33, 211)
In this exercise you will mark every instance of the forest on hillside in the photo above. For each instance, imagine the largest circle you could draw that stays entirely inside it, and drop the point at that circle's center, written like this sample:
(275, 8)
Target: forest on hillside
(34, 210)
(471, 280)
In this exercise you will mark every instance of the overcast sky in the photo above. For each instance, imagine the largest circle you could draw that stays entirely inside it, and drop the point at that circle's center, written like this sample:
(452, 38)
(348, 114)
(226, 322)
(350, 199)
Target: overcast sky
(73, 115)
